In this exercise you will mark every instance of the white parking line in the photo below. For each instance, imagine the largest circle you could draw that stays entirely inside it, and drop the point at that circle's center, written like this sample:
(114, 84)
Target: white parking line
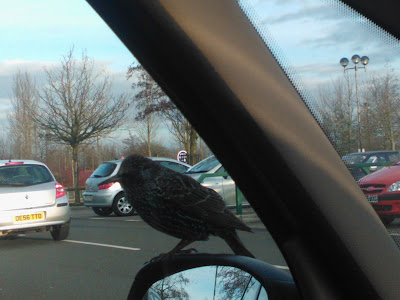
(133, 220)
(136, 249)
(97, 218)
(102, 245)
(395, 234)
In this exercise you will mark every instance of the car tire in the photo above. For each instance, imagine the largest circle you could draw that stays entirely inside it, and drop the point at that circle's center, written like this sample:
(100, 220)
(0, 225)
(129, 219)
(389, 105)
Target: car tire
(121, 206)
(387, 220)
(102, 211)
(59, 232)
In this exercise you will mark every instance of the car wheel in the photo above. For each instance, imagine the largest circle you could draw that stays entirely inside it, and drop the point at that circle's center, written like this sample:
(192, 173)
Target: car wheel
(387, 220)
(121, 206)
(59, 232)
(102, 211)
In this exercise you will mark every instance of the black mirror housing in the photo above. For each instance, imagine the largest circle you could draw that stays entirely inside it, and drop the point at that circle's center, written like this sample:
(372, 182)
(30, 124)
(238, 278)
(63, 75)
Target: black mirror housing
(279, 284)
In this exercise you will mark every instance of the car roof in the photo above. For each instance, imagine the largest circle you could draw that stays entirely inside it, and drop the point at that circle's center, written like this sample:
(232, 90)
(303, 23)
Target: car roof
(372, 152)
(212, 170)
(118, 161)
(25, 161)
(169, 159)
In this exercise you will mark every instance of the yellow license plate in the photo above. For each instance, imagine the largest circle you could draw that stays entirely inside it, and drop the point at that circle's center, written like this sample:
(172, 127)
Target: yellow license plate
(29, 218)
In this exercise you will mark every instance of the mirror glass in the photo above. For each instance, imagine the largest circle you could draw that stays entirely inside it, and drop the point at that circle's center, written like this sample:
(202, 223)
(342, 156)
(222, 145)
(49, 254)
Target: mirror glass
(208, 283)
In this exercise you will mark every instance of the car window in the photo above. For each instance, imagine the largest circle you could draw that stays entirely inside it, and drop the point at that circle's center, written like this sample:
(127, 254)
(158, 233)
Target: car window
(204, 166)
(354, 159)
(393, 156)
(307, 38)
(342, 80)
(371, 159)
(173, 166)
(24, 175)
(104, 170)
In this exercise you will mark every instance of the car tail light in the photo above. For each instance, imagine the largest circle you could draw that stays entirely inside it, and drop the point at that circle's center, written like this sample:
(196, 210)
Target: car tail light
(14, 163)
(106, 186)
(60, 190)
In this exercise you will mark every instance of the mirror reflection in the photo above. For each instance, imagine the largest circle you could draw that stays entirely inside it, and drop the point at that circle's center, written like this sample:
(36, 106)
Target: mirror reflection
(208, 283)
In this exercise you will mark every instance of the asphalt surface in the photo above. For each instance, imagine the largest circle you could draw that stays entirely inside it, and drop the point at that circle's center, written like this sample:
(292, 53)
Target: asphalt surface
(100, 258)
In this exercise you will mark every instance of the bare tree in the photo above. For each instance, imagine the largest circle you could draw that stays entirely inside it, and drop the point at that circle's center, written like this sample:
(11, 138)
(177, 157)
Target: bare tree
(5, 149)
(383, 98)
(151, 99)
(337, 114)
(148, 94)
(24, 135)
(233, 282)
(147, 131)
(183, 131)
(77, 104)
(134, 144)
(172, 287)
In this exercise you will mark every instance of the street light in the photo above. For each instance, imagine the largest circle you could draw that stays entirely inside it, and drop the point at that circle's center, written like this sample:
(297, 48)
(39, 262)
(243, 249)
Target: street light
(364, 61)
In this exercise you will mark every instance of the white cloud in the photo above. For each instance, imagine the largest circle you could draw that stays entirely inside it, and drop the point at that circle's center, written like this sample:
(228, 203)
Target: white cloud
(5, 106)
(12, 66)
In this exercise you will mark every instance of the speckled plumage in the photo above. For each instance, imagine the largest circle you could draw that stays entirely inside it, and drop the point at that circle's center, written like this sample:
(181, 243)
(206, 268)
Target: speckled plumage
(177, 204)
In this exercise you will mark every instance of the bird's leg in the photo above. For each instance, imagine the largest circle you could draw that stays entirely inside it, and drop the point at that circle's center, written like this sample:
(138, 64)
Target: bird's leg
(176, 250)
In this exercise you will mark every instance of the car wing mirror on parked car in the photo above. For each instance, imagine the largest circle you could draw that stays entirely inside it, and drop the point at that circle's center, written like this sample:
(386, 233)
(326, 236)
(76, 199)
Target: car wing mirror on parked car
(204, 276)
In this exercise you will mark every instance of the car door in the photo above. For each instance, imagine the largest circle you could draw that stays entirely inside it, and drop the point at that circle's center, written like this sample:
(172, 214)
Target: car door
(215, 183)
(229, 189)
(225, 79)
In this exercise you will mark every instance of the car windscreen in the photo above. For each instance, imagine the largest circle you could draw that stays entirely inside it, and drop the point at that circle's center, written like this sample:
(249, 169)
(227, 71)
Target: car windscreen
(204, 166)
(24, 175)
(104, 170)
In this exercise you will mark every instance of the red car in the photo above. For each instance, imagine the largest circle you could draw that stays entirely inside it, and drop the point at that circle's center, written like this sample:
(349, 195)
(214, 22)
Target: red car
(382, 189)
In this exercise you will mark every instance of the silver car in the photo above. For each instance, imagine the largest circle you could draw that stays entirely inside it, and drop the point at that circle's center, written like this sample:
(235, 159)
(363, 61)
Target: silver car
(223, 185)
(108, 198)
(31, 200)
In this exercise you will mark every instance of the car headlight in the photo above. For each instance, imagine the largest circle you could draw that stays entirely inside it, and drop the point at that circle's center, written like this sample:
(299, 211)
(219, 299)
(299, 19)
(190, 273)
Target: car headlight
(395, 187)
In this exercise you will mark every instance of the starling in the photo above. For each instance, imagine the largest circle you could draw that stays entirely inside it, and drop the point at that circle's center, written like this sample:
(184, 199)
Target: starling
(177, 205)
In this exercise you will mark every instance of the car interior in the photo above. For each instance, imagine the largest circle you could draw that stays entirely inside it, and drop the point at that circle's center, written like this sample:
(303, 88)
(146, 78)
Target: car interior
(210, 60)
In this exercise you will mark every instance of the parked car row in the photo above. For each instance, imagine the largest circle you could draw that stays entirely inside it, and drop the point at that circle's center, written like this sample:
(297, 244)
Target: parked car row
(31, 200)
(353, 161)
(380, 184)
(106, 199)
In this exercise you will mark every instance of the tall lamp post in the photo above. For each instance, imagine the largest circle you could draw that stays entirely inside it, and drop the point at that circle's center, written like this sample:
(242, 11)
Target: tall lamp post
(344, 62)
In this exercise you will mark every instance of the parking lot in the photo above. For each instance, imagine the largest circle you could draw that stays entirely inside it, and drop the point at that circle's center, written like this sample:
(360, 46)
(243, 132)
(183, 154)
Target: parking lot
(100, 257)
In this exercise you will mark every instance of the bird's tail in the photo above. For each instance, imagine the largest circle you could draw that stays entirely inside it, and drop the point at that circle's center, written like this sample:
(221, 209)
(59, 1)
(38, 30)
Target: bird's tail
(234, 242)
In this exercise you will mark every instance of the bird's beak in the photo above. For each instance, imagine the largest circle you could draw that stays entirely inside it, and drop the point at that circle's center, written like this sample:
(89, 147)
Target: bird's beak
(114, 178)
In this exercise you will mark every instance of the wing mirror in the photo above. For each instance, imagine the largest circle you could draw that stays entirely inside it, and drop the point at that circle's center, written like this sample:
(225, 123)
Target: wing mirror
(205, 276)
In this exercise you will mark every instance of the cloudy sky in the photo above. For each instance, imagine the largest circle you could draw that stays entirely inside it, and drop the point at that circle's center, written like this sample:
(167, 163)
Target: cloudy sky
(309, 37)
(37, 33)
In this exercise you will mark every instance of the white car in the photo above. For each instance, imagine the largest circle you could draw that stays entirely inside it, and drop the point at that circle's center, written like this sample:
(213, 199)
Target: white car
(31, 200)
(223, 184)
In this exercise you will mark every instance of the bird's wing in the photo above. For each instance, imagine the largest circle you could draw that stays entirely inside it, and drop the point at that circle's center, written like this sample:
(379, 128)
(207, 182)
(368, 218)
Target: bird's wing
(189, 196)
